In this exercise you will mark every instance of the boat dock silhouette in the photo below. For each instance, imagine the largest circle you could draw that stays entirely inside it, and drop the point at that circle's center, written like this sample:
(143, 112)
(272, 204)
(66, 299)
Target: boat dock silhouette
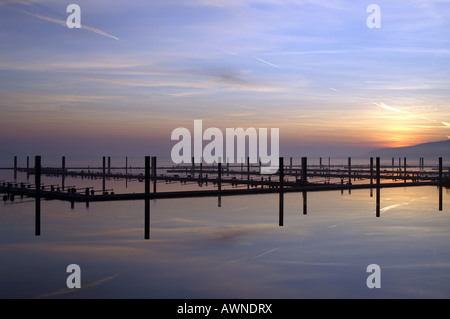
(244, 179)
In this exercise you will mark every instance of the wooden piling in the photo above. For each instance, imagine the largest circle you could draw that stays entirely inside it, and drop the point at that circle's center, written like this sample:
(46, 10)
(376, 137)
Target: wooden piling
(248, 172)
(147, 199)
(63, 171)
(371, 176)
(37, 182)
(350, 171)
(440, 170)
(304, 170)
(281, 202)
(219, 176)
(404, 168)
(377, 170)
(104, 173)
(154, 173)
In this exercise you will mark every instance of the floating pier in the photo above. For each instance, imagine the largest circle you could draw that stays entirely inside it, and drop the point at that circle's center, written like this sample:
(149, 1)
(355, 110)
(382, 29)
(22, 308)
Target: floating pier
(290, 178)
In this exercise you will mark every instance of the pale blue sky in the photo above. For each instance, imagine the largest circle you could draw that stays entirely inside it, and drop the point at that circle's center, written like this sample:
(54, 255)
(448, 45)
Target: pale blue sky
(311, 68)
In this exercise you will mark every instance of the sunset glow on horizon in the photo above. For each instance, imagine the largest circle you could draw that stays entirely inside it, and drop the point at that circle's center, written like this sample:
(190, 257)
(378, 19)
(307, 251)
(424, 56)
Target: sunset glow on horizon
(137, 70)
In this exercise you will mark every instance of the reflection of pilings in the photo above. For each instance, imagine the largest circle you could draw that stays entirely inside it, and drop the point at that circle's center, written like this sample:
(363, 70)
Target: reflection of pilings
(440, 198)
(305, 205)
(37, 182)
(378, 203)
(154, 173)
(147, 200)
(281, 208)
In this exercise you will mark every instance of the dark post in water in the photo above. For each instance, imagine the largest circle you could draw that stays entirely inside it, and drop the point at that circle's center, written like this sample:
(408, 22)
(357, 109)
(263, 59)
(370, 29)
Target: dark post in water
(147, 199)
(154, 173)
(378, 186)
(37, 182)
(281, 211)
(304, 170)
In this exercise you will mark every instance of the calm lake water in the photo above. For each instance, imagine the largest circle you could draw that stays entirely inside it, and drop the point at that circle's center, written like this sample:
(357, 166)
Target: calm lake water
(238, 250)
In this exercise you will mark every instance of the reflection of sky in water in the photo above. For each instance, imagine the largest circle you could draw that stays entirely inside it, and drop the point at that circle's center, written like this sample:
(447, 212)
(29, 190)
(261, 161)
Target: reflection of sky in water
(199, 250)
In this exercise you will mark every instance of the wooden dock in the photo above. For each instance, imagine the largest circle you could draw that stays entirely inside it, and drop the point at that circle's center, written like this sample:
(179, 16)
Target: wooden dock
(243, 179)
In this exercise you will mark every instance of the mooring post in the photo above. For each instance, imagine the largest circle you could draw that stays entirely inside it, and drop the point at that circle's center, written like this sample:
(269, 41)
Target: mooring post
(371, 176)
(193, 167)
(350, 171)
(154, 173)
(248, 172)
(404, 169)
(147, 199)
(371, 171)
(320, 165)
(103, 177)
(63, 171)
(377, 172)
(440, 170)
(37, 182)
(15, 167)
(28, 167)
(281, 208)
(219, 175)
(304, 170)
(290, 163)
(378, 186)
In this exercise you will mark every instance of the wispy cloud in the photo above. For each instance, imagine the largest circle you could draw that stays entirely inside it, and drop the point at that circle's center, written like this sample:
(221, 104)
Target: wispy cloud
(387, 107)
(64, 24)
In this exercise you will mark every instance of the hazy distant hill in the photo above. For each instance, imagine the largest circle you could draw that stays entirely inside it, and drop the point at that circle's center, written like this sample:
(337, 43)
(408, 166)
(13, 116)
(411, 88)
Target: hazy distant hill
(426, 150)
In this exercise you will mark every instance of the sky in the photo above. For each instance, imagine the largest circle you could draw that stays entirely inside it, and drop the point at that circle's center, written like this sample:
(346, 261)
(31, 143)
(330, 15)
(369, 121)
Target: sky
(137, 70)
